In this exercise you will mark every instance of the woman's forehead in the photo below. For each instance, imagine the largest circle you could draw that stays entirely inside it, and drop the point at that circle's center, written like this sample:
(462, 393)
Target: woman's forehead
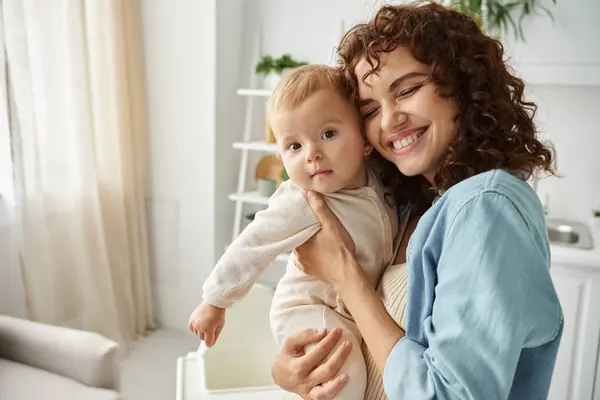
(398, 62)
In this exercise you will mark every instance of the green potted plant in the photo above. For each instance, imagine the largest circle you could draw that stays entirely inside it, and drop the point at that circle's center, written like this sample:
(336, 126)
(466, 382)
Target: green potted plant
(272, 69)
(501, 16)
(284, 175)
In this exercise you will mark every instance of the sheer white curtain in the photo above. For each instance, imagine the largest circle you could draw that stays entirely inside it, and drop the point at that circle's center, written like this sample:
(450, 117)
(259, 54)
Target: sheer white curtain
(79, 157)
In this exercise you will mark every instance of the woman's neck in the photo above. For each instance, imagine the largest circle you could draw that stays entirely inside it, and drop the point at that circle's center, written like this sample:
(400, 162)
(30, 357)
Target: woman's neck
(430, 176)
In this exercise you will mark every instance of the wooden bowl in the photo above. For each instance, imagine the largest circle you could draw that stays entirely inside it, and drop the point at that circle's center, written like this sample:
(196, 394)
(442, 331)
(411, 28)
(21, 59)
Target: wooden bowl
(269, 167)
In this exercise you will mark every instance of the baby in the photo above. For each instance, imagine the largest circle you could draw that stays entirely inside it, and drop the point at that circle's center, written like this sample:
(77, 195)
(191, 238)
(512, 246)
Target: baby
(319, 134)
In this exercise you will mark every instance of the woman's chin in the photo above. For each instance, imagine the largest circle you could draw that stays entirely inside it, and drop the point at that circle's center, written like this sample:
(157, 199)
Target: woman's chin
(409, 170)
(413, 167)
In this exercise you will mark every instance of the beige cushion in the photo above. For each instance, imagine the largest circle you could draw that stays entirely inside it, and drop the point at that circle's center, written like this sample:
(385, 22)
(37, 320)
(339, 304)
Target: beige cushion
(19, 381)
(86, 357)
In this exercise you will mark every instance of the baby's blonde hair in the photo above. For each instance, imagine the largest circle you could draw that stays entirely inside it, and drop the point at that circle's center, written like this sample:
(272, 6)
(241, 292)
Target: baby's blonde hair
(301, 83)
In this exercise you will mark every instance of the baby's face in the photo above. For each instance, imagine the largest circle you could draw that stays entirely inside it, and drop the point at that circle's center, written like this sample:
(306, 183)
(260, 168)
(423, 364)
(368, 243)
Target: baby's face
(321, 143)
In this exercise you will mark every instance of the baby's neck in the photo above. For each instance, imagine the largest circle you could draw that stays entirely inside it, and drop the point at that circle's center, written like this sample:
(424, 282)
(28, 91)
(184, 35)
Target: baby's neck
(361, 179)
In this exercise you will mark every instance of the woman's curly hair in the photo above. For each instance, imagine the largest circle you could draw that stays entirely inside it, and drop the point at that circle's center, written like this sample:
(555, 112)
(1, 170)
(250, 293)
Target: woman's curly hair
(495, 127)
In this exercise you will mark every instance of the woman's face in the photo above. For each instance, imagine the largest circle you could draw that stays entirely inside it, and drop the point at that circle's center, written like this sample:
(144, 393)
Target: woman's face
(406, 120)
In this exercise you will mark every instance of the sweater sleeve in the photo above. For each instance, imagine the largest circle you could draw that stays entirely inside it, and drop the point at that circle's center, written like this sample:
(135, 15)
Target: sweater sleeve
(287, 223)
(493, 297)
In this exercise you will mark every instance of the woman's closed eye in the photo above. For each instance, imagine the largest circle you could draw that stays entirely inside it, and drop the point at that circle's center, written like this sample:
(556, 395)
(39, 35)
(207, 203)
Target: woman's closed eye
(328, 134)
(370, 113)
(410, 91)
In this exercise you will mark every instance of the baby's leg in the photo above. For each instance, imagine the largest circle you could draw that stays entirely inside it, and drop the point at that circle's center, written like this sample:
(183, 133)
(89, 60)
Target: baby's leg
(354, 366)
(295, 319)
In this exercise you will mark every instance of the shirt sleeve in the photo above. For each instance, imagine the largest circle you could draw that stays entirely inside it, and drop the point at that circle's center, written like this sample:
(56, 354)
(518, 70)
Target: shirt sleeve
(288, 222)
(493, 296)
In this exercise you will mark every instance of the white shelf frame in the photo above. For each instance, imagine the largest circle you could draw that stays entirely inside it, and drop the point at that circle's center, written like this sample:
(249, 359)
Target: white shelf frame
(250, 198)
(257, 146)
(243, 196)
(246, 145)
(254, 92)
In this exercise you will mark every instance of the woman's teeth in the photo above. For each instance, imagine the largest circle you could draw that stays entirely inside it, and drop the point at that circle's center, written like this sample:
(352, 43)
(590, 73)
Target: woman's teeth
(407, 141)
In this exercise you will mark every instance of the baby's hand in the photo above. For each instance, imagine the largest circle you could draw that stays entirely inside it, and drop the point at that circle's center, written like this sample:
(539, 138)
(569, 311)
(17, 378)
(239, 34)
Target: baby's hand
(207, 322)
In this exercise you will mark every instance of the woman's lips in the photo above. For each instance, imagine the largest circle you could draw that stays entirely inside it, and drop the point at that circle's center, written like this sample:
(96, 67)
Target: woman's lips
(406, 143)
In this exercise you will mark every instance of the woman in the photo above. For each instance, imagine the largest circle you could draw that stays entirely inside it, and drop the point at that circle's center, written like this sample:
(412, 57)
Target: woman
(449, 122)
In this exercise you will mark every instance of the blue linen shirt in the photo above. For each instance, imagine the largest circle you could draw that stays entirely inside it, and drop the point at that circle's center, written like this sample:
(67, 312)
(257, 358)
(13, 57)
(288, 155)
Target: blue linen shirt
(483, 318)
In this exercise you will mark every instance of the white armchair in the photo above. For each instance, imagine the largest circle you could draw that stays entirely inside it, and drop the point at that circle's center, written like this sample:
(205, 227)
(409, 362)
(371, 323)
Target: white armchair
(39, 361)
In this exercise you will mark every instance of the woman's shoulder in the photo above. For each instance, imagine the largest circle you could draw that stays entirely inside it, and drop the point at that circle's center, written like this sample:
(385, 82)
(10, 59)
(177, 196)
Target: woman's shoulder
(512, 186)
(496, 180)
(496, 192)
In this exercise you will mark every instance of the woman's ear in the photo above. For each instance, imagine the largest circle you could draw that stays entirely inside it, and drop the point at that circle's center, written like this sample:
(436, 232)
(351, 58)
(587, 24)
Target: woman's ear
(368, 149)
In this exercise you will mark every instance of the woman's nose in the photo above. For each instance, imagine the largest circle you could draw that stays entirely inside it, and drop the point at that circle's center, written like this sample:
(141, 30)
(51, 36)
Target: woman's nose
(392, 119)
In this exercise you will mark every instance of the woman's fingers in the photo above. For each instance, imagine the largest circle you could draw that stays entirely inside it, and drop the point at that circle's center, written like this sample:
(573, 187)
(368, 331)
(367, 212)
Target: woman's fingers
(300, 372)
(328, 370)
(297, 261)
(322, 350)
(320, 207)
(296, 343)
(329, 389)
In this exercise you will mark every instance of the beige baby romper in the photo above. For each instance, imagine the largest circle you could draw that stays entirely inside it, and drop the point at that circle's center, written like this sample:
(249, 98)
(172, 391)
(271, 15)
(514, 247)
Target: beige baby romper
(393, 291)
(302, 301)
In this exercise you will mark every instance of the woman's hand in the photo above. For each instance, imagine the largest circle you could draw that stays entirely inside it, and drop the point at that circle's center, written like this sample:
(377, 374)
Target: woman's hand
(329, 254)
(307, 374)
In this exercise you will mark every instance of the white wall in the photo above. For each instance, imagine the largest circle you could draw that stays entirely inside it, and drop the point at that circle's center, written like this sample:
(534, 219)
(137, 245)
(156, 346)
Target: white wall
(308, 29)
(180, 52)
(569, 117)
(234, 49)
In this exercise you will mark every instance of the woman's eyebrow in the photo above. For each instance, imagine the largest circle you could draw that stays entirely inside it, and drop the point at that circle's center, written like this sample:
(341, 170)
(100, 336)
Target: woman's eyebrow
(394, 85)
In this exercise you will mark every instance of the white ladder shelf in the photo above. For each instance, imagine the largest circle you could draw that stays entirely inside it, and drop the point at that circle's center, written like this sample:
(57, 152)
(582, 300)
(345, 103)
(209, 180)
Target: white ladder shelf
(243, 196)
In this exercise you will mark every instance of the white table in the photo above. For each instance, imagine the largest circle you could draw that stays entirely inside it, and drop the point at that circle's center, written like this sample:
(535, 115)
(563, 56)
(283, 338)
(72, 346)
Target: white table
(188, 385)
(241, 360)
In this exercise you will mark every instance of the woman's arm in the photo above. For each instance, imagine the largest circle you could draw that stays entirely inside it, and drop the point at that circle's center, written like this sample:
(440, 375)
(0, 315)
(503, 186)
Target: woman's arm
(496, 317)
(380, 332)
(332, 243)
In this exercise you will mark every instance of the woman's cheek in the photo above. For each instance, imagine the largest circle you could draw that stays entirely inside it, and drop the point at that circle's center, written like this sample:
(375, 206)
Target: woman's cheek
(372, 136)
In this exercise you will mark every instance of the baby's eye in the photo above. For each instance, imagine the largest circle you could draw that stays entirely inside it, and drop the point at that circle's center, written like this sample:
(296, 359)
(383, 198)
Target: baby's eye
(293, 146)
(328, 134)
